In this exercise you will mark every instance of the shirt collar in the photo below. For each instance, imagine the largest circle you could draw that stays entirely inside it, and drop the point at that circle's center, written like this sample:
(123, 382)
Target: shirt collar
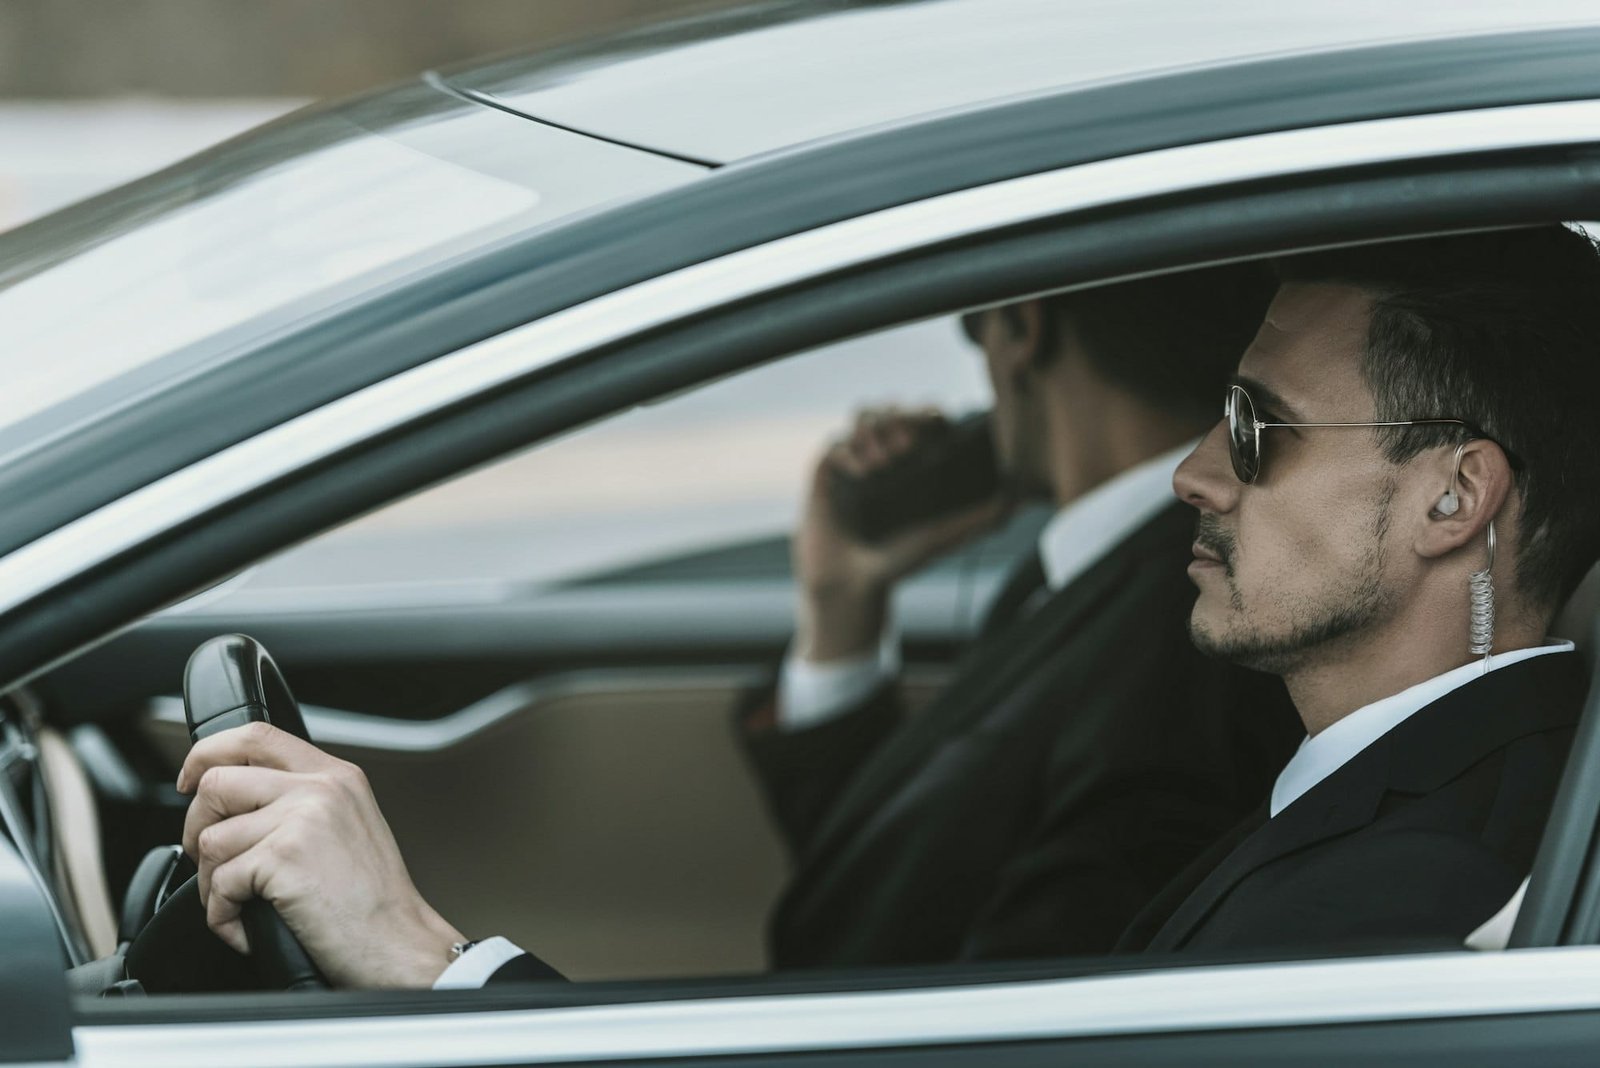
(1321, 756)
(1088, 528)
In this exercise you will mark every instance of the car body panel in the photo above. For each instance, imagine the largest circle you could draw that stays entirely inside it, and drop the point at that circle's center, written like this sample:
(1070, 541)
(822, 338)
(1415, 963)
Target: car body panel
(730, 86)
(34, 1019)
(983, 1020)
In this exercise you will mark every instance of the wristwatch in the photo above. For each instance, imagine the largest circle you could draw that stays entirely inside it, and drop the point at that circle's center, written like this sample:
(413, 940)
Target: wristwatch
(459, 949)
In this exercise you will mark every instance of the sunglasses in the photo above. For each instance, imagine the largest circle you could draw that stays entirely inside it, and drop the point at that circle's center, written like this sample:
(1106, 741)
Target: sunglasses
(1244, 432)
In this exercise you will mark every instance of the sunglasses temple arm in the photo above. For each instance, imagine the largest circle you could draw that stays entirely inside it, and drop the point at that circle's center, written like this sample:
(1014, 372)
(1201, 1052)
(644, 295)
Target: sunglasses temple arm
(1403, 422)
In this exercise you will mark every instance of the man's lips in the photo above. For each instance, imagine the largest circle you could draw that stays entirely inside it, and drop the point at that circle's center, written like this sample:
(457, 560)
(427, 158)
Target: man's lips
(1204, 555)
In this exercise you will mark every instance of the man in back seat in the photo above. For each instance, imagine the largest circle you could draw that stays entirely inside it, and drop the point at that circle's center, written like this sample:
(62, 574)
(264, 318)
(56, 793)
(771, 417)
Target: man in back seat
(1402, 494)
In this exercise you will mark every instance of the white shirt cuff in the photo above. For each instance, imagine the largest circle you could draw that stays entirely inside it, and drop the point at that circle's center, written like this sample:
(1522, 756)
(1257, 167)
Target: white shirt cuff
(810, 694)
(473, 968)
(1496, 930)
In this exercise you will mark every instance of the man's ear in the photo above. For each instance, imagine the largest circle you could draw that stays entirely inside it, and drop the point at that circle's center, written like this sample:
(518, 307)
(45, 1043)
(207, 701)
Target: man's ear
(1022, 336)
(1470, 492)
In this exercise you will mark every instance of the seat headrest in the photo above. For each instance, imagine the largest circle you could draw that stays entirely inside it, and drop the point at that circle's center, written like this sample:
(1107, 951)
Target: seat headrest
(1579, 619)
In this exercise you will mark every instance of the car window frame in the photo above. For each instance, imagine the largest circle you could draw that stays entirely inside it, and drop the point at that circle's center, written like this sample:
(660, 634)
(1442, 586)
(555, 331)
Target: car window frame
(1523, 184)
(764, 198)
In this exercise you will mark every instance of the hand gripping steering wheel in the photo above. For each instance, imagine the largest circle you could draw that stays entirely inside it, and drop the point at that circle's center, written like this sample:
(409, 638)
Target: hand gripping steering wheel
(230, 681)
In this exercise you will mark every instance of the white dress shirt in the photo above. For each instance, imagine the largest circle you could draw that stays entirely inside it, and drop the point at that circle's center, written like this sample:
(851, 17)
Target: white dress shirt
(1495, 933)
(1321, 756)
(473, 968)
(1076, 537)
(1325, 754)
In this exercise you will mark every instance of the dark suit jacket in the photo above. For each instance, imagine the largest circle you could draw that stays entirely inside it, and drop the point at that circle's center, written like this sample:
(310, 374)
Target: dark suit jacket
(1081, 758)
(1424, 834)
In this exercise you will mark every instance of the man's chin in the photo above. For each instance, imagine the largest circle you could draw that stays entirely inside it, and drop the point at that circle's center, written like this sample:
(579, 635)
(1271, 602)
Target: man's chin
(1245, 650)
(1206, 630)
(1204, 638)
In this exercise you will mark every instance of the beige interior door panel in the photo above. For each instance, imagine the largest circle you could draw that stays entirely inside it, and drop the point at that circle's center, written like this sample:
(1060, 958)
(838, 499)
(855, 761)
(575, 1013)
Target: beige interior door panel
(606, 821)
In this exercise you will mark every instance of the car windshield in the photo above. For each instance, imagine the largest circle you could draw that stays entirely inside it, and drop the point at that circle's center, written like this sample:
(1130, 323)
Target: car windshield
(123, 294)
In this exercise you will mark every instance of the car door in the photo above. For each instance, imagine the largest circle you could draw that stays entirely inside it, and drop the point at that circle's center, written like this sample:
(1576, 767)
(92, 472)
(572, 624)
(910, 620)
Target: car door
(1240, 197)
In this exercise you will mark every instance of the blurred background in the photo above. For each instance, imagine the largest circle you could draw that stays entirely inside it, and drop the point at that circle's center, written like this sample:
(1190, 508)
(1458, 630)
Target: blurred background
(95, 92)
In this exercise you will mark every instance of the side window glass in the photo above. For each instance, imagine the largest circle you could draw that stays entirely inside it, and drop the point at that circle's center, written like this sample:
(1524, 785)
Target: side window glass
(699, 472)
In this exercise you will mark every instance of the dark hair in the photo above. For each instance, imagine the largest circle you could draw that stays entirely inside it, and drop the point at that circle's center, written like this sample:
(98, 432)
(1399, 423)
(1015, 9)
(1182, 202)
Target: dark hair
(1502, 330)
(1173, 339)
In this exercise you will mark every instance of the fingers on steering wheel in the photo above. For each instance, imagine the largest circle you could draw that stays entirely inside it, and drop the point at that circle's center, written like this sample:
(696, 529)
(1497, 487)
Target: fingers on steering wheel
(232, 884)
(221, 842)
(258, 745)
(231, 790)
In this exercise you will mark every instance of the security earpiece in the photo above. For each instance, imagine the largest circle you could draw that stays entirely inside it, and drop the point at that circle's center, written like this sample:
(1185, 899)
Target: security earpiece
(1450, 504)
(1480, 584)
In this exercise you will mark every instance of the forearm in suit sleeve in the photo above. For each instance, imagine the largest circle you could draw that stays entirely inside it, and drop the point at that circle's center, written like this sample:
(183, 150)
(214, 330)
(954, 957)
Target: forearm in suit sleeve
(524, 969)
(1121, 818)
(1078, 881)
(802, 772)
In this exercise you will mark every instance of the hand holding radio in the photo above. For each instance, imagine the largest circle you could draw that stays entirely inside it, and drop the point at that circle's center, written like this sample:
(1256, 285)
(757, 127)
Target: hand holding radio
(901, 488)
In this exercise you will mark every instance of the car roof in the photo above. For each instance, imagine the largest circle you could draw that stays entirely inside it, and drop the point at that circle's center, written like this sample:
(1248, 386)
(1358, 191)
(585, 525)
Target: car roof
(725, 87)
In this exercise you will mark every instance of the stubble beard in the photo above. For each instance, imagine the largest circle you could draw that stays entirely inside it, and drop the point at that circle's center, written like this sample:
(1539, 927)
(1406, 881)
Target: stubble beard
(1319, 623)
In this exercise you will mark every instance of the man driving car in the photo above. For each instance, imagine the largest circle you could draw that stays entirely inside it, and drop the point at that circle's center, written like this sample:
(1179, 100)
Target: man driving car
(1401, 495)
(1400, 499)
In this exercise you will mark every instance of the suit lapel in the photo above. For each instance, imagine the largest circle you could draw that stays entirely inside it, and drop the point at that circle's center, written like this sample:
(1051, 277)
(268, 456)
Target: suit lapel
(1305, 823)
(1423, 752)
(996, 667)
(1025, 581)
(1161, 909)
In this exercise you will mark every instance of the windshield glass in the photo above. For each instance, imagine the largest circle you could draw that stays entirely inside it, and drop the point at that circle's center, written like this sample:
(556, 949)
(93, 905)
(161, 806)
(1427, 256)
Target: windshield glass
(123, 294)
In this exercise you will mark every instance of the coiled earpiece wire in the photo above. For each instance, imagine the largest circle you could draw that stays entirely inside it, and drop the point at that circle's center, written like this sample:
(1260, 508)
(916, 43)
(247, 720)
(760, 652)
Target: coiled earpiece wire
(1481, 584)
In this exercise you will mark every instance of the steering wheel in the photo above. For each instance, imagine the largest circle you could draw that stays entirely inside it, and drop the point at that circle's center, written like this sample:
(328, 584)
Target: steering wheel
(229, 681)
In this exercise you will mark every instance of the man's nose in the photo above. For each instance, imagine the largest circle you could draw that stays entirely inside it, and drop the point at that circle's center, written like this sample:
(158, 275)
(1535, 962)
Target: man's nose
(1205, 479)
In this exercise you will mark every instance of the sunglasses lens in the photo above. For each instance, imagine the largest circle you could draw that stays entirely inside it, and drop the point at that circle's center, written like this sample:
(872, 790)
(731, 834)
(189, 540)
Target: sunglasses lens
(1244, 441)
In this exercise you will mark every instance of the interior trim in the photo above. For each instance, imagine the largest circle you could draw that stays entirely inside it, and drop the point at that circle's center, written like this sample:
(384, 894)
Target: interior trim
(337, 726)
(334, 726)
(80, 872)
(1432, 986)
(213, 483)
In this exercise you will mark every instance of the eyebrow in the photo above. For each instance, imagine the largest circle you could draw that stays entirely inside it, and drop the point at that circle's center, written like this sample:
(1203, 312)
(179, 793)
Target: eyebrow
(1268, 397)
